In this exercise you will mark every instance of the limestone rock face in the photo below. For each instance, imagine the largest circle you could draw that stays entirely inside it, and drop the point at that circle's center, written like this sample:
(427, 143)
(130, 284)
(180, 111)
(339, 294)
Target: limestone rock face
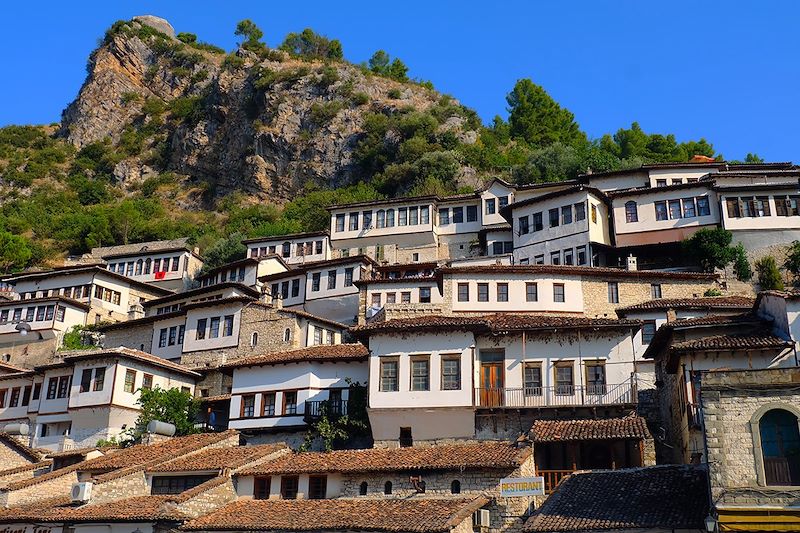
(205, 117)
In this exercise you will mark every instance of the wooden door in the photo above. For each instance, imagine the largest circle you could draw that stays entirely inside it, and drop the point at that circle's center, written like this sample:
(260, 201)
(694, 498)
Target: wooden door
(491, 384)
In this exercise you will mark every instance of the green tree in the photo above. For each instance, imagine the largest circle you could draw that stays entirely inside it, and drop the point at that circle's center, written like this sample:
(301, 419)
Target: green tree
(769, 277)
(753, 158)
(710, 248)
(379, 62)
(173, 406)
(312, 45)
(188, 38)
(398, 70)
(224, 250)
(342, 430)
(251, 34)
(792, 263)
(15, 251)
(538, 119)
(73, 339)
(741, 266)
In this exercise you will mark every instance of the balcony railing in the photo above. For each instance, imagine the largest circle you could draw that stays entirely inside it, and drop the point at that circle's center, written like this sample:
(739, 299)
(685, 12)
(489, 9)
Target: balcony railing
(557, 396)
(552, 478)
(314, 409)
(56, 443)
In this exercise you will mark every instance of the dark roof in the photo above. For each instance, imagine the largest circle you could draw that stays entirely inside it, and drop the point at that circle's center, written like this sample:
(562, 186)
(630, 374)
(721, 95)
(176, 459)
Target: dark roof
(477, 456)
(97, 269)
(762, 340)
(416, 515)
(141, 248)
(400, 200)
(48, 299)
(6, 367)
(506, 211)
(654, 190)
(495, 322)
(299, 269)
(667, 497)
(630, 427)
(201, 290)
(321, 353)
(323, 233)
(219, 458)
(120, 352)
(718, 302)
(232, 264)
(569, 270)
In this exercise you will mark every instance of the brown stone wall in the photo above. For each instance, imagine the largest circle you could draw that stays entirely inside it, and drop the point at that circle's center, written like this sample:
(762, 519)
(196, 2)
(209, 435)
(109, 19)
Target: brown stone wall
(632, 291)
(133, 484)
(11, 458)
(134, 337)
(57, 486)
(208, 501)
(31, 354)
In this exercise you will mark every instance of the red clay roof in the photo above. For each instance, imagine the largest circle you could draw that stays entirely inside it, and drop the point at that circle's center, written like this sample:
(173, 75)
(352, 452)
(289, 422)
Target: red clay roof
(632, 427)
(321, 353)
(421, 515)
(218, 458)
(719, 302)
(29, 453)
(485, 455)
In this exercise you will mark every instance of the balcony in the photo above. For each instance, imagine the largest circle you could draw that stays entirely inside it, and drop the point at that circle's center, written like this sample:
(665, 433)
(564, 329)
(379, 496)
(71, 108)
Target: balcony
(558, 396)
(55, 443)
(314, 409)
(552, 478)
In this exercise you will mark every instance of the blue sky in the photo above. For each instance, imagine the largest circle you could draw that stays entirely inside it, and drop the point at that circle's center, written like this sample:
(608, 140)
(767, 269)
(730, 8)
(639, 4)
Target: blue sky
(726, 71)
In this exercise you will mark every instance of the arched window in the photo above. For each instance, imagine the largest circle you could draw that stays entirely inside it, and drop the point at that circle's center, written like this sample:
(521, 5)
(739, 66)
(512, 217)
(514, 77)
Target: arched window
(387, 487)
(254, 339)
(286, 251)
(362, 489)
(381, 218)
(455, 487)
(390, 218)
(147, 264)
(287, 335)
(631, 212)
(141, 347)
(780, 447)
(139, 267)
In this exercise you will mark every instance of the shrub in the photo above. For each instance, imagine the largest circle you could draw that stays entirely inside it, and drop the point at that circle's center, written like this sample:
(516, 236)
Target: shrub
(740, 264)
(792, 263)
(129, 97)
(322, 113)
(188, 108)
(769, 277)
(395, 94)
(232, 62)
(328, 76)
(359, 98)
(713, 292)
(310, 45)
(187, 38)
(711, 248)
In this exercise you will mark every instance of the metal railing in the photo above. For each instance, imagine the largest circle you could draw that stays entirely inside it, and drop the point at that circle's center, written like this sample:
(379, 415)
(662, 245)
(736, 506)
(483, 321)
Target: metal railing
(316, 408)
(556, 396)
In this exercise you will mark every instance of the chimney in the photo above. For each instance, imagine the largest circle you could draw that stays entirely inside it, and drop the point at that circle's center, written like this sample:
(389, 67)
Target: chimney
(135, 311)
(274, 301)
(632, 263)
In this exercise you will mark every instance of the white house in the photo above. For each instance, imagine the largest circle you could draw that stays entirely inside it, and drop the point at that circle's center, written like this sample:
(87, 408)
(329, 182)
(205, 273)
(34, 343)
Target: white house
(294, 248)
(246, 271)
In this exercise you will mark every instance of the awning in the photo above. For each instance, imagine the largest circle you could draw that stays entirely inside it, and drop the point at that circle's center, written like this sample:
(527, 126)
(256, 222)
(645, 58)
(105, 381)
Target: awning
(759, 519)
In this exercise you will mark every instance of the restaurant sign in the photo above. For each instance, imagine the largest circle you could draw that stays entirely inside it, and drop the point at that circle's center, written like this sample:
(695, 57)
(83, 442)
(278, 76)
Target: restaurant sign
(512, 487)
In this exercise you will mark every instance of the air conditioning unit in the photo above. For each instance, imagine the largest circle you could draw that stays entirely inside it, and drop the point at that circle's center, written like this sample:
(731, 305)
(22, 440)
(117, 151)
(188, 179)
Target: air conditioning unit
(81, 492)
(481, 518)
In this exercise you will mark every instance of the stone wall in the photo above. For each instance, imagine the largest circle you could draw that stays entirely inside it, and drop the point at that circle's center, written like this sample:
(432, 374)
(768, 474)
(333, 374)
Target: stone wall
(58, 485)
(27, 471)
(138, 337)
(10, 457)
(208, 500)
(127, 486)
(734, 402)
(31, 354)
(633, 291)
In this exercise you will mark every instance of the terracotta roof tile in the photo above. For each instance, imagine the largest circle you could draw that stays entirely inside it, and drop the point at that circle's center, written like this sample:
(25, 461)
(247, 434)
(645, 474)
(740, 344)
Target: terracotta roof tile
(413, 515)
(48, 510)
(29, 453)
(324, 352)
(219, 458)
(123, 352)
(131, 509)
(24, 468)
(25, 483)
(761, 340)
(721, 302)
(485, 455)
(665, 497)
(632, 427)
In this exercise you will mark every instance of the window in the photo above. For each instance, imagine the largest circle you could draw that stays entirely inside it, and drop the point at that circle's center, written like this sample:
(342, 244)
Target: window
(558, 292)
(139, 267)
(661, 183)
(147, 381)
(594, 213)
(472, 213)
(444, 216)
(86, 379)
(26, 395)
(596, 378)
(497, 248)
(315, 278)
(631, 212)
(532, 379)
(389, 218)
(29, 314)
(176, 261)
(689, 210)
(268, 404)
(261, 488)
(362, 488)
(786, 206)
(367, 215)
(531, 292)
(248, 407)
(162, 338)
(402, 216)
(538, 225)
(451, 373)
(387, 487)
(405, 297)
(40, 313)
(780, 441)
(648, 331)
(295, 288)
(63, 386)
(227, 329)
(340, 222)
(201, 328)
(14, 400)
(289, 487)
(569, 257)
(553, 217)
(317, 487)
(674, 209)
(60, 311)
(389, 375)
(502, 201)
(376, 299)
(613, 292)
(177, 484)
(566, 214)
(353, 222)
(676, 181)
(565, 382)
(580, 211)
(502, 292)
(455, 487)
(420, 374)
(661, 210)
(762, 206)
(290, 403)
(287, 335)
(3, 397)
(483, 292)
(406, 440)
(37, 391)
(99, 379)
(317, 336)
(424, 295)
(348, 277)
(424, 215)
(703, 207)
(524, 225)
(331, 279)
(655, 290)
(52, 385)
(463, 292)
(173, 335)
(213, 328)
(733, 208)
(490, 206)
(130, 381)
(329, 338)
(555, 258)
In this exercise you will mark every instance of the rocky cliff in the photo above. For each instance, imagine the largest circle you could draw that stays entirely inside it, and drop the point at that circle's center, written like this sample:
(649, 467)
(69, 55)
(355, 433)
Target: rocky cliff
(265, 124)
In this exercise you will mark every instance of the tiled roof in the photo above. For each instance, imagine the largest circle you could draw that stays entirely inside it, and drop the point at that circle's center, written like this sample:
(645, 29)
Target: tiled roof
(219, 458)
(665, 497)
(138, 508)
(320, 353)
(485, 455)
(631, 427)
(125, 353)
(323, 233)
(141, 248)
(29, 453)
(48, 510)
(570, 270)
(81, 451)
(25, 468)
(25, 483)
(763, 340)
(5, 367)
(421, 515)
(493, 322)
(201, 290)
(507, 210)
(720, 302)
(96, 269)
(657, 190)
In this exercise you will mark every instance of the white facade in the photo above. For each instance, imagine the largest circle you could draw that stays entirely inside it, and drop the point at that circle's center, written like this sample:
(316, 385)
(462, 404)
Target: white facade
(173, 269)
(293, 249)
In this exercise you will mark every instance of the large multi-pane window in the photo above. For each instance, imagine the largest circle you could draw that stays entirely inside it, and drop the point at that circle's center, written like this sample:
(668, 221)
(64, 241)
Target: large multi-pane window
(661, 210)
(595, 378)
(558, 292)
(483, 292)
(472, 213)
(463, 292)
(580, 211)
(553, 217)
(130, 380)
(538, 224)
(566, 214)
(655, 290)
(268, 404)
(648, 331)
(524, 225)
(502, 292)
(451, 373)
(389, 381)
(248, 406)
(565, 378)
(532, 379)
(531, 292)
(213, 328)
(631, 212)
(613, 292)
(420, 374)
(458, 215)
(290, 403)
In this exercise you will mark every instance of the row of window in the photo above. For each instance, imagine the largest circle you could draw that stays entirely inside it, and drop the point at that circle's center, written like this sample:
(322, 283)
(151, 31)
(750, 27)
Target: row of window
(93, 379)
(320, 333)
(19, 396)
(234, 274)
(672, 209)
(76, 293)
(567, 256)
(502, 247)
(450, 378)
(210, 327)
(500, 292)
(384, 218)
(143, 267)
(318, 487)
(613, 291)
(378, 299)
(175, 307)
(557, 216)
(268, 406)
(759, 206)
(675, 181)
(33, 314)
(564, 378)
(107, 295)
(147, 381)
(493, 207)
(457, 214)
(172, 336)
(316, 279)
(301, 249)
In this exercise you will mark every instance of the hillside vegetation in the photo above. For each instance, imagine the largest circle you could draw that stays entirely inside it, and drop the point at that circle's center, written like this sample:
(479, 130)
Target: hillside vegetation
(170, 136)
